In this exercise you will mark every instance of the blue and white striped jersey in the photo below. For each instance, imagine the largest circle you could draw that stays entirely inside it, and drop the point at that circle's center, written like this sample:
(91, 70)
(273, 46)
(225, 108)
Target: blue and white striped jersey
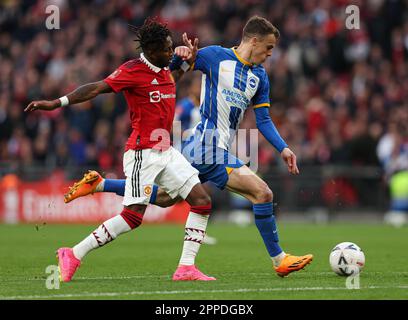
(229, 85)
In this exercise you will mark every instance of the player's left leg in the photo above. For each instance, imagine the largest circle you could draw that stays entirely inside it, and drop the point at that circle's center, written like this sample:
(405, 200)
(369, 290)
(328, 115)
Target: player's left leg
(194, 234)
(180, 179)
(246, 183)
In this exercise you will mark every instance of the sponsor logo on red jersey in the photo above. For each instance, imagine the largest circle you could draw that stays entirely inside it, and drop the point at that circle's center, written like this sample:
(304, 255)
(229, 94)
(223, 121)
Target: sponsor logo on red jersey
(156, 96)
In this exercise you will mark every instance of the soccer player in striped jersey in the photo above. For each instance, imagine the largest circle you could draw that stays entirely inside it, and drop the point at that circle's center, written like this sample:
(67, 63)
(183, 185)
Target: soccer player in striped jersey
(233, 80)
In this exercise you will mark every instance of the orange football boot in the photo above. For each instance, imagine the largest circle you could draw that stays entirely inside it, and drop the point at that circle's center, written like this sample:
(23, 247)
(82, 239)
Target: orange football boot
(83, 187)
(292, 263)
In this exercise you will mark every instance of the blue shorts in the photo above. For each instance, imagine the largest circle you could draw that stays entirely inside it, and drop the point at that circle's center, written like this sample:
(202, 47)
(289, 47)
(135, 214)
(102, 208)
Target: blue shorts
(213, 163)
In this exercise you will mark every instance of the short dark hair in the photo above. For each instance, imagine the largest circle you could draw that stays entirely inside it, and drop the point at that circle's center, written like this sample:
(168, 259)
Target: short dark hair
(152, 35)
(258, 26)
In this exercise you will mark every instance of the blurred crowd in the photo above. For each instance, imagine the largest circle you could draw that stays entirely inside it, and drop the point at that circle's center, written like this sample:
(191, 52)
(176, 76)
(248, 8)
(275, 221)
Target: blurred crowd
(335, 92)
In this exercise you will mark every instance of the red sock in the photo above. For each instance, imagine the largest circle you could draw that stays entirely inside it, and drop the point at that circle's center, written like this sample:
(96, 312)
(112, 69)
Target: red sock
(132, 218)
(204, 210)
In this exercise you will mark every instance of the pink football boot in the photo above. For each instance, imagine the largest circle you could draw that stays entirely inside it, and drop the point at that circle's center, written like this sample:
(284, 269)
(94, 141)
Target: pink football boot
(190, 273)
(67, 264)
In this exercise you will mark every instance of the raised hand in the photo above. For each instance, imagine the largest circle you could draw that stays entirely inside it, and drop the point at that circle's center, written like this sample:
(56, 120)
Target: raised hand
(193, 47)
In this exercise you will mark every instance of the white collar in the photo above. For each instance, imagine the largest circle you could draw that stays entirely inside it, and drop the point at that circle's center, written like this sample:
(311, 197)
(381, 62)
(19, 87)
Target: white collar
(150, 65)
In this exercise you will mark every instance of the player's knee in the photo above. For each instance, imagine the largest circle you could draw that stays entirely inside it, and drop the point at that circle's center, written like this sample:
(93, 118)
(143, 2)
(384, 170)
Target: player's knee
(263, 194)
(198, 197)
(202, 206)
(207, 200)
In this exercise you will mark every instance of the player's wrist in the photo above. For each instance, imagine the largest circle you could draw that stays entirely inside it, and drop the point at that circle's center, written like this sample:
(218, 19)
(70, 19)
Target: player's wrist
(185, 66)
(175, 63)
(63, 101)
(283, 149)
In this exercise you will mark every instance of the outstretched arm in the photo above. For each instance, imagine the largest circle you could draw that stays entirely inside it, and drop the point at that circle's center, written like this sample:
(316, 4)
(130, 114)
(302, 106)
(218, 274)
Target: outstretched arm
(80, 94)
(269, 131)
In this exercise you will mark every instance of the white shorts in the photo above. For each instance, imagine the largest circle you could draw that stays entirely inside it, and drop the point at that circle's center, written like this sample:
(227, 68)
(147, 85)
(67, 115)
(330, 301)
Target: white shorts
(168, 169)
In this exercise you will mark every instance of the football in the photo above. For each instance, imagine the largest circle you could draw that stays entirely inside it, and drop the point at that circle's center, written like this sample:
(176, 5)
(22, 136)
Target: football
(347, 259)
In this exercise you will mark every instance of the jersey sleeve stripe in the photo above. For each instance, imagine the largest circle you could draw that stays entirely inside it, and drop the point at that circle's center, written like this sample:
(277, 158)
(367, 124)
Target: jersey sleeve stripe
(262, 105)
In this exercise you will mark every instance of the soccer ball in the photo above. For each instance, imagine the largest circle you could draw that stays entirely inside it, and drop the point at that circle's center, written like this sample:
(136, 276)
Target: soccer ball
(347, 259)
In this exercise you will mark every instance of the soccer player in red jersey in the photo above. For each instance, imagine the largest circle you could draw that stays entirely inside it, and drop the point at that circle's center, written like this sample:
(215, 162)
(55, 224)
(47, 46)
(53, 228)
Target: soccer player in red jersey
(149, 88)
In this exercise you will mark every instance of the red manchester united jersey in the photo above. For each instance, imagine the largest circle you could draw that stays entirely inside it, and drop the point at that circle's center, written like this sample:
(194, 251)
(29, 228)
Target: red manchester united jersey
(150, 93)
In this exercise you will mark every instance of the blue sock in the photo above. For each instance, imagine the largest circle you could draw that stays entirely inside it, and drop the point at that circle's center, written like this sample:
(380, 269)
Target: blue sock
(265, 222)
(118, 186)
(115, 185)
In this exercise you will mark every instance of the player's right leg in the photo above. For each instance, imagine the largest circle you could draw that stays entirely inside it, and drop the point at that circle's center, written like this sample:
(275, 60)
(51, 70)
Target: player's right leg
(246, 183)
(69, 259)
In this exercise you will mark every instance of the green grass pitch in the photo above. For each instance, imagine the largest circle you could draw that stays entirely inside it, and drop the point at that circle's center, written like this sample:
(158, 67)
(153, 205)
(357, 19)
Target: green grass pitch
(139, 264)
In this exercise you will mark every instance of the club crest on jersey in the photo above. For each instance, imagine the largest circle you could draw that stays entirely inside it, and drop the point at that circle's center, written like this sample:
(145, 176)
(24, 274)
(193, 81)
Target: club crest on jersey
(147, 190)
(252, 83)
(154, 96)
